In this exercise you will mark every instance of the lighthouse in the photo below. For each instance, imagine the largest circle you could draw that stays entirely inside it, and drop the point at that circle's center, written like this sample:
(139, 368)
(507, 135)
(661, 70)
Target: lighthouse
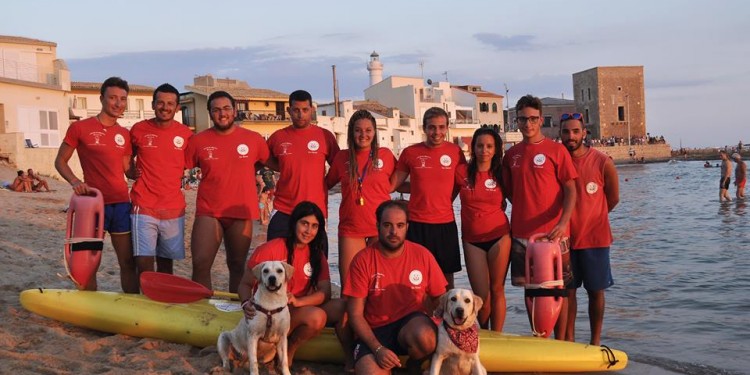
(375, 67)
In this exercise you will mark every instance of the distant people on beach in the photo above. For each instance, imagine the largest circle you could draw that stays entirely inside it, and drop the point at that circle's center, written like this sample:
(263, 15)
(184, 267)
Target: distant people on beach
(300, 152)
(364, 171)
(431, 167)
(485, 231)
(707, 164)
(227, 201)
(22, 183)
(597, 194)
(740, 175)
(158, 213)
(264, 204)
(539, 179)
(37, 182)
(104, 151)
(726, 171)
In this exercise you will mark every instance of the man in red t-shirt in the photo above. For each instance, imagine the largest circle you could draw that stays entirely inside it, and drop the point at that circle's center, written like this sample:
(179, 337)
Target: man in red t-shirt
(227, 201)
(391, 287)
(299, 152)
(104, 150)
(432, 166)
(539, 180)
(598, 192)
(158, 214)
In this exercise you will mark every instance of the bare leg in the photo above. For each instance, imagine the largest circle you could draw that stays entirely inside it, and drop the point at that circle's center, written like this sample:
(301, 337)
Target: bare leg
(419, 338)
(144, 263)
(596, 315)
(128, 273)
(562, 321)
(348, 248)
(499, 261)
(306, 323)
(164, 265)
(479, 279)
(237, 240)
(204, 242)
(335, 310)
(570, 331)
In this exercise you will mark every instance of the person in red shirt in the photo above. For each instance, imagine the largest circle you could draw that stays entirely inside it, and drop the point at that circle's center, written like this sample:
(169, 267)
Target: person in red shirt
(364, 171)
(227, 200)
(598, 192)
(432, 167)
(158, 213)
(539, 180)
(104, 151)
(309, 290)
(485, 229)
(299, 152)
(391, 286)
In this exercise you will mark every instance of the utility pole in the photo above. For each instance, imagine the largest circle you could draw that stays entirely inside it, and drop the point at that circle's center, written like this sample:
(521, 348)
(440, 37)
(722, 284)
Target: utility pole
(335, 93)
(507, 106)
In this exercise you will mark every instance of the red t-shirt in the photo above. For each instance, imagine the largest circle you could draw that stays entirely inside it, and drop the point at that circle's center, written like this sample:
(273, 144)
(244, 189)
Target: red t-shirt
(101, 150)
(227, 163)
(302, 155)
(589, 225)
(432, 174)
(276, 250)
(534, 174)
(160, 156)
(393, 287)
(356, 220)
(482, 215)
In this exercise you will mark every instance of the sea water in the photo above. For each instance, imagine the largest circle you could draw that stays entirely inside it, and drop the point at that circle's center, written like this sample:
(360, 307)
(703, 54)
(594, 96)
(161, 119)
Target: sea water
(681, 265)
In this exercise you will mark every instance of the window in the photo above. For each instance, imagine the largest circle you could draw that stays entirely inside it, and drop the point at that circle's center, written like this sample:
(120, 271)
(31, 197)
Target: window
(582, 97)
(620, 113)
(324, 112)
(81, 103)
(586, 116)
(39, 125)
(547, 122)
(494, 107)
(589, 90)
(139, 104)
(241, 106)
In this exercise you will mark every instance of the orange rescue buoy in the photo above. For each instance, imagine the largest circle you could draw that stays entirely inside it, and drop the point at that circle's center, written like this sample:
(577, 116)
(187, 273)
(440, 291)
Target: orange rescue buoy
(84, 237)
(544, 289)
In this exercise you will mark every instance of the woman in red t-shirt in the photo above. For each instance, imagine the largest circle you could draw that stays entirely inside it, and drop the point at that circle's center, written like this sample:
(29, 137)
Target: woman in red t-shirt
(364, 171)
(309, 290)
(485, 230)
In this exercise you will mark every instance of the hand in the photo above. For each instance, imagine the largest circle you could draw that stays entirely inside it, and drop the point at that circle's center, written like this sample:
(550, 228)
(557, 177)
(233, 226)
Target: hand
(557, 232)
(248, 309)
(291, 299)
(80, 188)
(386, 359)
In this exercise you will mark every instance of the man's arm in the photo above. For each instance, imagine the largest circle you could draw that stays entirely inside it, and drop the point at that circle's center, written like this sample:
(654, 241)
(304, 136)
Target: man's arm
(569, 203)
(397, 180)
(272, 163)
(384, 357)
(611, 185)
(61, 165)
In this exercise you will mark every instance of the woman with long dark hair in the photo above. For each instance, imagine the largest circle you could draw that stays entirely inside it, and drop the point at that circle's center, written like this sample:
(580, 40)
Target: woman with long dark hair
(309, 290)
(485, 230)
(364, 171)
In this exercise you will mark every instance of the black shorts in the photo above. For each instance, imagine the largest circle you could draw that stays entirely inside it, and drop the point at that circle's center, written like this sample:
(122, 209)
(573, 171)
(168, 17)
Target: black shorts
(724, 183)
(278, 227)
(388, 337)
(487, 245)
(441, 240)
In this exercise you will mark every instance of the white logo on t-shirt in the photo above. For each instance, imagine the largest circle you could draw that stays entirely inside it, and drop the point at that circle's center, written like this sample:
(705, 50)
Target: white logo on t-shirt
(490, 183)
(445, 160)
(307, 269)
(178, 141)
(242, 149)
(378, 163)
(539, 159)
(313, 145)
(415, 277)
(120, 140)
(592, 187)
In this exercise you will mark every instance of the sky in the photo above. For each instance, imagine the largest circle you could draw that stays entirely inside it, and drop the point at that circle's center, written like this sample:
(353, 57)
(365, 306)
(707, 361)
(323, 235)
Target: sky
(695, 54)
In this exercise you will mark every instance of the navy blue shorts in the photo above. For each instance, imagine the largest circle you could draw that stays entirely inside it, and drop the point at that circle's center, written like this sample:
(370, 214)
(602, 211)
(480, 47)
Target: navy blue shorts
(441, 240)
(591, 268)
(117, 218)
(387, 335)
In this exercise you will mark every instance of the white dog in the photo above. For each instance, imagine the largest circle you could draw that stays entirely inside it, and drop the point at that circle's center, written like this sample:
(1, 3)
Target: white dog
(271, 320)
(457, 350)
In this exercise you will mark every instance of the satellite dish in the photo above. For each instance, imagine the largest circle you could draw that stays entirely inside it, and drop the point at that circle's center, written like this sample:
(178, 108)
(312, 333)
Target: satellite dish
(429, 81)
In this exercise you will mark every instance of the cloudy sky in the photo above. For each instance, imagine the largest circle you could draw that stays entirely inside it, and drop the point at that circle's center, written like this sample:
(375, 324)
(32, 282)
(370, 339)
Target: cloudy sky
(696, 54)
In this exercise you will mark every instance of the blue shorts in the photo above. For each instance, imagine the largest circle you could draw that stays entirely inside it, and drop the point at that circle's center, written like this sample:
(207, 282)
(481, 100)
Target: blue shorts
(117, 218)
(164, 238)
(591, 268)
(387, 335)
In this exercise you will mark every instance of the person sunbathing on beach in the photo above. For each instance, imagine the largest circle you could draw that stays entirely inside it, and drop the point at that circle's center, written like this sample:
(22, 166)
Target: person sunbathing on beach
(40, 182)
(22, 184)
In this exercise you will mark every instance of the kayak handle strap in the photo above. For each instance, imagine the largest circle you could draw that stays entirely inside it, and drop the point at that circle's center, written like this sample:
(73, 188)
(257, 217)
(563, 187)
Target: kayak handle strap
(610, 356)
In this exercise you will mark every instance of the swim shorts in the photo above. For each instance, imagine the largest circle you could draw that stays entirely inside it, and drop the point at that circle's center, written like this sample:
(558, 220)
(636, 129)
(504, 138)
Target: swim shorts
(487, 245)
(441, 240)
(117, 218)
(724, 183)
(387, 335)
(591, 268)
(164, 238)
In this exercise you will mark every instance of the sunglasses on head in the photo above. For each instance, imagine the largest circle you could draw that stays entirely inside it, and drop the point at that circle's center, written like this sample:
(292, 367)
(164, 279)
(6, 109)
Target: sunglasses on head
(571, 116)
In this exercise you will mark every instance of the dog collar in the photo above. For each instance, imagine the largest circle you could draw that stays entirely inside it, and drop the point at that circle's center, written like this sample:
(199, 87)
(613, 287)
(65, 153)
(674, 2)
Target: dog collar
(467, 340)
(269, 313)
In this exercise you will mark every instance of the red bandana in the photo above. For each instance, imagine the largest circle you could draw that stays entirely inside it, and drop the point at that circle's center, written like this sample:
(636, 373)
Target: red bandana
(467, 340)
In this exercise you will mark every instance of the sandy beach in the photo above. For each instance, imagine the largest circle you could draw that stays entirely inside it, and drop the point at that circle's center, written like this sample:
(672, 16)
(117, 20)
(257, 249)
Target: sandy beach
(32, 230)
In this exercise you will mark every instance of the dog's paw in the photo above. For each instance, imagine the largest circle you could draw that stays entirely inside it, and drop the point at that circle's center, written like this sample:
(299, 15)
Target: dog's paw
(218, 370)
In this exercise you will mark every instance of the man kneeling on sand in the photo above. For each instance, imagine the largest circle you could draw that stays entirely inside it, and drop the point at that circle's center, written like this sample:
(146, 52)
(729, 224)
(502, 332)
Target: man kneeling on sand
(387, 285)
(22, 184)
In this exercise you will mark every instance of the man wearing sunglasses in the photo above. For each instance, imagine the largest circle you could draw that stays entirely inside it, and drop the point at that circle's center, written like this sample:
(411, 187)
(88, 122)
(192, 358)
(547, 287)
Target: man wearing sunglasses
(539, 180)
(598, 192)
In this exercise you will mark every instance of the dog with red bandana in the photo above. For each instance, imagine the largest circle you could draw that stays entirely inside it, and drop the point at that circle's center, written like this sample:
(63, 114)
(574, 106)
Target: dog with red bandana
(457, 350)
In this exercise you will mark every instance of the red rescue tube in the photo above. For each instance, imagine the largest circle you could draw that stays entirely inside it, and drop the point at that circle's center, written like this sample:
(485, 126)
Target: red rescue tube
(84, 237)
(544, 284)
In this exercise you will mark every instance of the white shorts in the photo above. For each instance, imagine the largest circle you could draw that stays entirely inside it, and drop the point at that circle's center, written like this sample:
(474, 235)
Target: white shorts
(156, 237)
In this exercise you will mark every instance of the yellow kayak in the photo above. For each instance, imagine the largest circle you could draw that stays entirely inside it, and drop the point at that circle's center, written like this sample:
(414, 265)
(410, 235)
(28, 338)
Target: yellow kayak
(199, 324)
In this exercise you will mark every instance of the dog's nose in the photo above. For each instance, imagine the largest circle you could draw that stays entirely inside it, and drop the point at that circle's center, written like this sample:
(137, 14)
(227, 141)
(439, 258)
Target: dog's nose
(272, 280)
(460, 312)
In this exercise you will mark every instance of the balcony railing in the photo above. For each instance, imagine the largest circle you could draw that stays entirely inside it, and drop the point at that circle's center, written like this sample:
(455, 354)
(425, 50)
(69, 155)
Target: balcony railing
(250, 116)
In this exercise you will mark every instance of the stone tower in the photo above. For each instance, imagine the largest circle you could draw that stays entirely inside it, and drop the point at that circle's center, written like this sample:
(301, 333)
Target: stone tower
(375, 67)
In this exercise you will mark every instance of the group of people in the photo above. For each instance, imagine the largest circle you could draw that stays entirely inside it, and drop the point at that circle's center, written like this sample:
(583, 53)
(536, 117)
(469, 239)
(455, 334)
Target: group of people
(28, 182)
(740, 175)
(395, 258)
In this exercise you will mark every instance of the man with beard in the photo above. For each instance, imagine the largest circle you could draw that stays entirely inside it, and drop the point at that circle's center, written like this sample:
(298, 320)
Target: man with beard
(104, 150)
(388, 285)
(597, 193)
(158, 213)
(227, 155)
